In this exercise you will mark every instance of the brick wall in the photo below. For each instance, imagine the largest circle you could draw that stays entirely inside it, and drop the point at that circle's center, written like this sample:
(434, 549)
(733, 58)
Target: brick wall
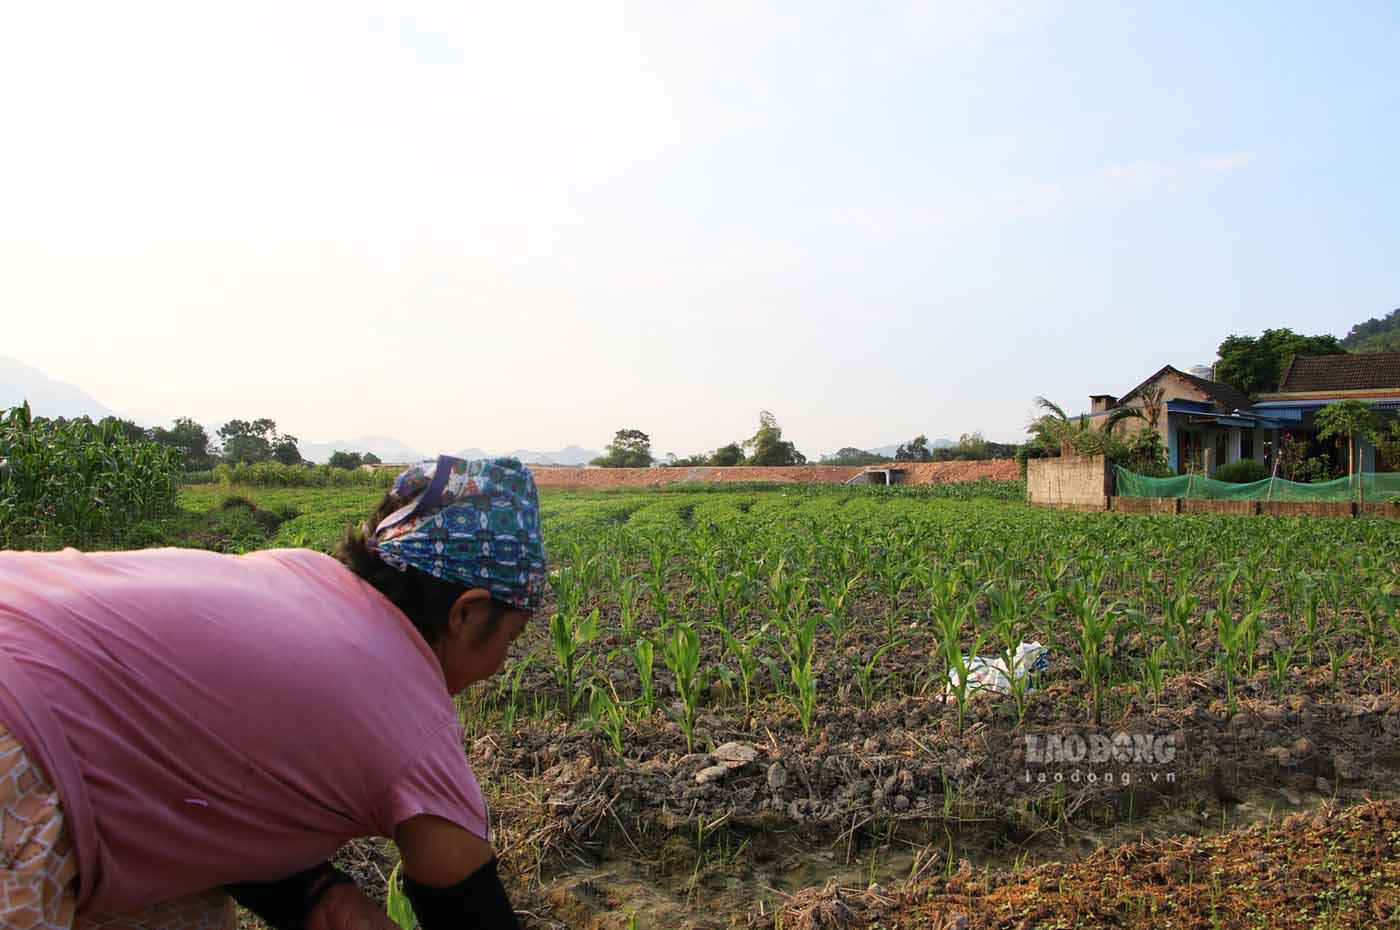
(1070, 481)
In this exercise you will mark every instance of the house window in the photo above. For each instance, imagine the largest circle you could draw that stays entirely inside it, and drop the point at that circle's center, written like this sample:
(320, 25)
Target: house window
(1247, 446)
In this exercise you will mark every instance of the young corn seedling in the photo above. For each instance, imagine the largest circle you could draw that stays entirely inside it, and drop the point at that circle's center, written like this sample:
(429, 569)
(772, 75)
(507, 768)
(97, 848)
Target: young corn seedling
(510, 685)
(1011, 627)
(1281, 664)
(643, 655)
(865, 674)
(607, 715)
(950, 621)
(1095, 640)
(681, 653)
(836, 612)
(569, 634)
(744, 650)
(1154, 672)
(797, 646)
(1234, 641)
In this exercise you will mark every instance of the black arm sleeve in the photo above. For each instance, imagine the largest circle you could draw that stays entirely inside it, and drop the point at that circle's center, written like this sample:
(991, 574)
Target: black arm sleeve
(478, 902)
(287, 904)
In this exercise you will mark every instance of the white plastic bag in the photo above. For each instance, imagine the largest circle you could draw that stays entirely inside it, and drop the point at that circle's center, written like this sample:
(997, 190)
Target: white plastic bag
(989, 673)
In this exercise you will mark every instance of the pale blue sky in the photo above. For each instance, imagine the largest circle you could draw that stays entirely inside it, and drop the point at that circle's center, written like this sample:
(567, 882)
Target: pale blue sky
(533, 224)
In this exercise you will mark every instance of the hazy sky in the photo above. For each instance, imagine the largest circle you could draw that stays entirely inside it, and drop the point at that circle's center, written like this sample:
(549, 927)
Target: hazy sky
(533, 224)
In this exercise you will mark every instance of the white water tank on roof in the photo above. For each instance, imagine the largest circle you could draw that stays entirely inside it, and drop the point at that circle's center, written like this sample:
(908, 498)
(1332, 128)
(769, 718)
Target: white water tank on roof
(1203, 371)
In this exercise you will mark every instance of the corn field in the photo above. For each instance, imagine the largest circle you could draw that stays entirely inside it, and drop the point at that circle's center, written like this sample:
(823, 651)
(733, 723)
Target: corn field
(818, 602)
(76, 483)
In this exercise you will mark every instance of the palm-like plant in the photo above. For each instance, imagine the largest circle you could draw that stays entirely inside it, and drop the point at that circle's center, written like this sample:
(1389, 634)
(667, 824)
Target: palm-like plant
(1054, 428)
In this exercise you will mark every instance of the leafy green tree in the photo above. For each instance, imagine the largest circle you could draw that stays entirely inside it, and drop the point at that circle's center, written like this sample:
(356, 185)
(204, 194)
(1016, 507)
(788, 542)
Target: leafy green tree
(852, 456)
(1386, 438)
(285, 450)
(257, 441)
(189, 439)
(915, 450)
(347, 460)
(769, 447)
(369, 458)
(630, 448)
(128, 428)
(1346, 418)
(728, 456)
(1256, 365)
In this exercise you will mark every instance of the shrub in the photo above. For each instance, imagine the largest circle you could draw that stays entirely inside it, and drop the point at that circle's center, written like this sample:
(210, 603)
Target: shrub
(1242, 472)
(1245, 471)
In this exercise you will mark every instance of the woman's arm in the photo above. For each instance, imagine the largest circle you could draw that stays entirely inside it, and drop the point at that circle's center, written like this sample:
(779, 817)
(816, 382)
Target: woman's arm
(321, 898)
(450, 877)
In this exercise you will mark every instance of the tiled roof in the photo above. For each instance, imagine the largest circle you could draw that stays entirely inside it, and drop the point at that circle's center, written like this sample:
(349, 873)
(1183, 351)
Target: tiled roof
(1359, 372)
(1219, 392)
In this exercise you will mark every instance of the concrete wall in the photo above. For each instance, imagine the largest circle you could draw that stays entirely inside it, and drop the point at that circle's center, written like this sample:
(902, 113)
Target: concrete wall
(1070, 481)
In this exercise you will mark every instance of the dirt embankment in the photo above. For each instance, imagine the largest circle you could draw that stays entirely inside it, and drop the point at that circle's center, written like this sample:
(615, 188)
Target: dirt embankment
(914, 473)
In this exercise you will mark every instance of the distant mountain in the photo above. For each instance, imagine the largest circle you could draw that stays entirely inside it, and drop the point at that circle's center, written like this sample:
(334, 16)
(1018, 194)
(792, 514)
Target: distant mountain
(47, 397)
(569, 455)
(388, 449)
(1375, 335)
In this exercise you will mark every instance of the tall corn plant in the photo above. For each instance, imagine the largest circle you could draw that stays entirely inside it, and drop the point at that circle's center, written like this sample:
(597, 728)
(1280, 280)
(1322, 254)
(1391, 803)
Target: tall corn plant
(78, 483)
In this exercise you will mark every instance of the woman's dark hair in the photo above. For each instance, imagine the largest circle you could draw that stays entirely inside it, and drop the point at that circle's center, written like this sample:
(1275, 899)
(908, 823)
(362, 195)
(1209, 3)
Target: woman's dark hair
(425, 600)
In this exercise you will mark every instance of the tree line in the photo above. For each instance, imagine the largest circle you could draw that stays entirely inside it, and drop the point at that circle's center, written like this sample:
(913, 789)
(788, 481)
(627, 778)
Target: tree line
(237, 442)
(631, 448)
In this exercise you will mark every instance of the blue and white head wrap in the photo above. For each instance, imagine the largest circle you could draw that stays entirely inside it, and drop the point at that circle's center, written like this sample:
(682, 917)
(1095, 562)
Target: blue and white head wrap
(475, 523)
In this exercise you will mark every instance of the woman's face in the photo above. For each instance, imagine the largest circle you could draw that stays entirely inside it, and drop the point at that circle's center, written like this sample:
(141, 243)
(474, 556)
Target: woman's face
(472, 649)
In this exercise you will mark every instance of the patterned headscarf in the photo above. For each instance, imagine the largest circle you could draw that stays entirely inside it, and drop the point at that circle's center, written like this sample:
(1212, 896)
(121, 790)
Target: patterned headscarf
(475, 523)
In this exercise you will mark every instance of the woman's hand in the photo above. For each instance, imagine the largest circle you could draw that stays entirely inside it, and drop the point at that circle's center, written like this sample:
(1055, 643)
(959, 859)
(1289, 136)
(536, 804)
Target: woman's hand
(345, 907)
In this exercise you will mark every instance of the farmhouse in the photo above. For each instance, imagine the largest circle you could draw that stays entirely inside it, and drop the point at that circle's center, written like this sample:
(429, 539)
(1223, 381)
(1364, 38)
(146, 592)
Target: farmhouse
(1201, 421)
(1312, 383)
(1207, 423)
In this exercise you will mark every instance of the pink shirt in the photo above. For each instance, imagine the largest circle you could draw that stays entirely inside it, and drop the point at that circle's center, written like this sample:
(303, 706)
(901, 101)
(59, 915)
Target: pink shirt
(212, 718)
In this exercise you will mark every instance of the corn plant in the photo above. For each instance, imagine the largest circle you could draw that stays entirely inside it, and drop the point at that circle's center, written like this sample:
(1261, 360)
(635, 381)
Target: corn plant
(835, 609)
(681, 653)
(643, 655)
(797, 644)
(1009, 613)
(1094, 640)
(73, 482)
(606, 714)
(569, 634)
(865, 674)
(1235, 638)
(950, 622)
(397, 905)
(1154, 672)
(744, 649)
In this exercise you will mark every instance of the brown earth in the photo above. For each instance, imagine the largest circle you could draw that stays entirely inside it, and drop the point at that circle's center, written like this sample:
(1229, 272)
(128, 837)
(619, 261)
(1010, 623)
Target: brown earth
(915, 473)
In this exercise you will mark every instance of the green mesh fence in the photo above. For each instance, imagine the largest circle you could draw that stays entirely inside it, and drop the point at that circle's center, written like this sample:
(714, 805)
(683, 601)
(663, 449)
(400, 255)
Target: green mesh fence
(1373, 486)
